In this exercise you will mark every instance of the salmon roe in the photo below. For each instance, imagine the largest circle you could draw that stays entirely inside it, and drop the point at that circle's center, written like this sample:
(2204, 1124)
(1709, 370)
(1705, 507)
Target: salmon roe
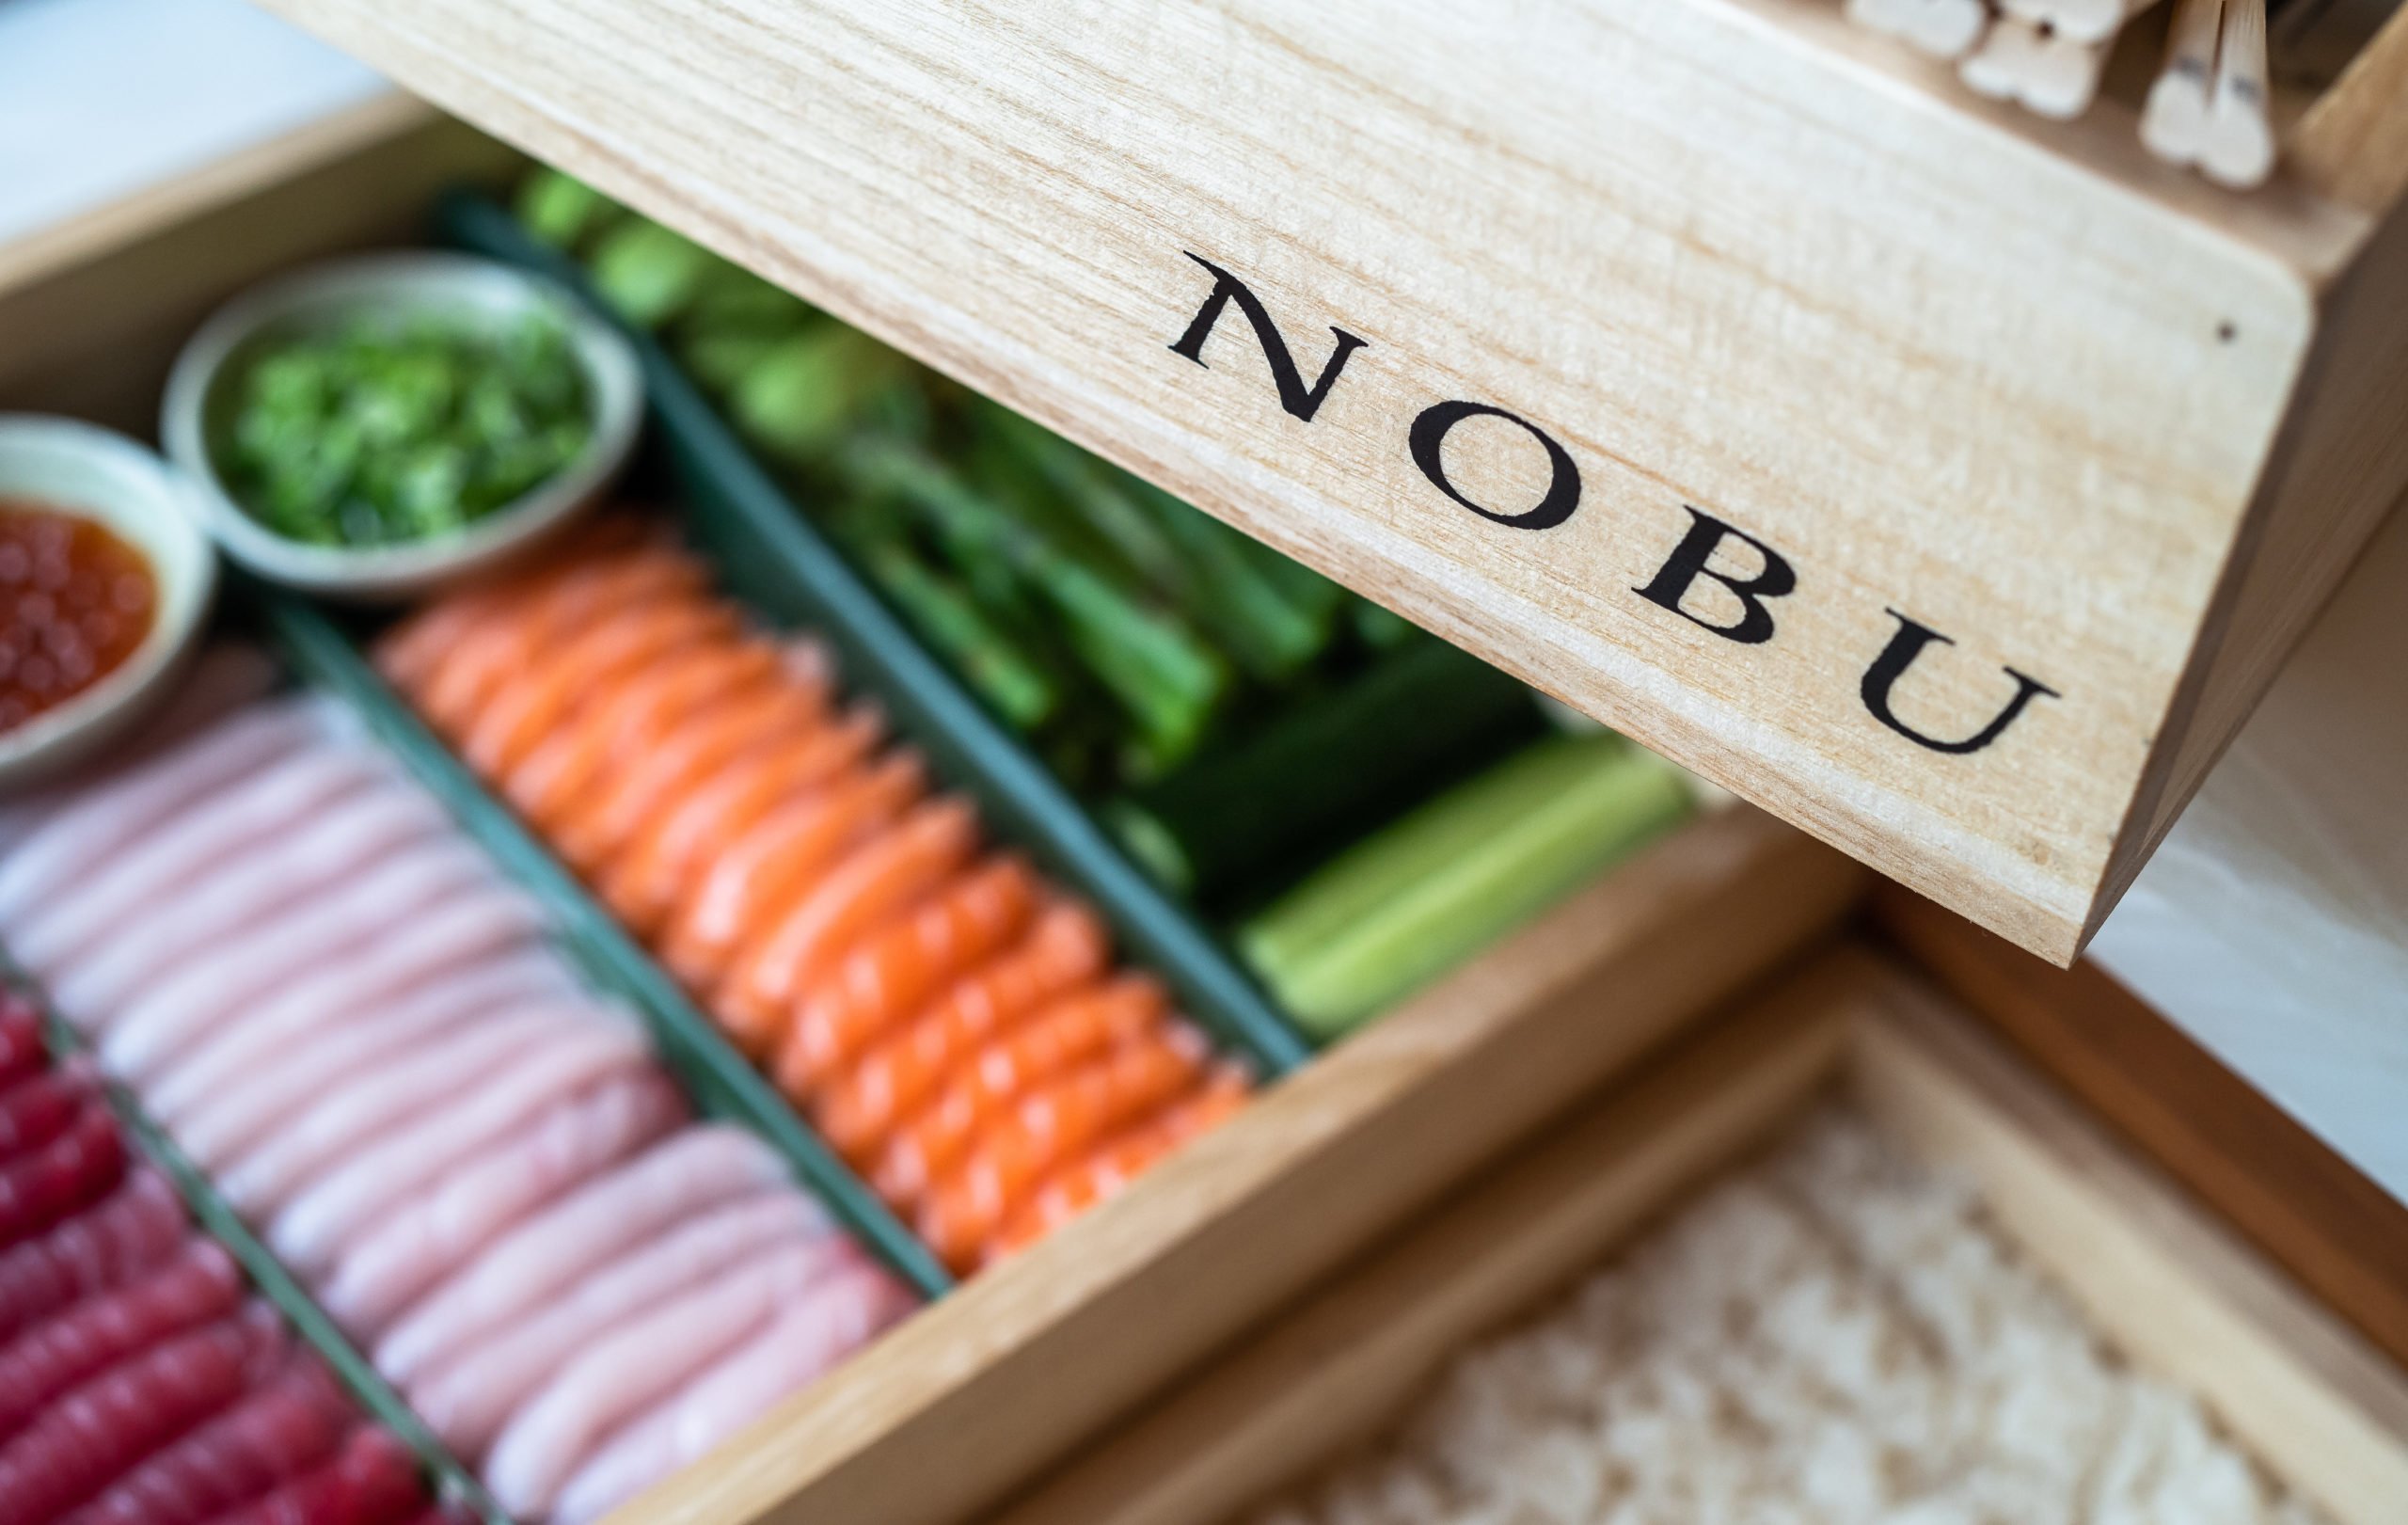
(75, 602)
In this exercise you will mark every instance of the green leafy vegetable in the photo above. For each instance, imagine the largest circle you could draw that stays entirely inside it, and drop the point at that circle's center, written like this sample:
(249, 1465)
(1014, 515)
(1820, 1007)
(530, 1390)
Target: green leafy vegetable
(386, 431)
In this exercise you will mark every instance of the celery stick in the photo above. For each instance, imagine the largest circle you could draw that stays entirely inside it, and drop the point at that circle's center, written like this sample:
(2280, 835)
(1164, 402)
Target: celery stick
(648, 273)
(1406, 906)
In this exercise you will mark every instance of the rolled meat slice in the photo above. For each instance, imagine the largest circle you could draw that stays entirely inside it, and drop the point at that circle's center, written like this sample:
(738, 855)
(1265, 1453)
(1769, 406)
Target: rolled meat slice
(468, 1398)
(197, 1285)
(54, 1181)
(688, 1173)
(310, 1228)
(132, 1228)
(836, 1318)
(423, 1239)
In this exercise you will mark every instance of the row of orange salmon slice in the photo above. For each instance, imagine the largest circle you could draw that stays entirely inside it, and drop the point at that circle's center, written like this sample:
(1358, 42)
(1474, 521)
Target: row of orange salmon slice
(954, 1025)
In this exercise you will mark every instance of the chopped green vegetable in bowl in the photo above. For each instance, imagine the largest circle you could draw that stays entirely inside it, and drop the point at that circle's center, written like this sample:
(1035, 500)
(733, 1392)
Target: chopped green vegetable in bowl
(383, 431)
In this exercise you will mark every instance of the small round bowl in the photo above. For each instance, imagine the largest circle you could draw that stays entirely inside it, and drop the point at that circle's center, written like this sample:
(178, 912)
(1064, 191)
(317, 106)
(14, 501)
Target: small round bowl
(76, 468)
(451, 286)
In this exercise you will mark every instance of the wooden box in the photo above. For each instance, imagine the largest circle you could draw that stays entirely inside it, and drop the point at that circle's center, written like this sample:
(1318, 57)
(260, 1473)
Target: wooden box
(1006, 1371)
(2168, 1288)
(1945, 481)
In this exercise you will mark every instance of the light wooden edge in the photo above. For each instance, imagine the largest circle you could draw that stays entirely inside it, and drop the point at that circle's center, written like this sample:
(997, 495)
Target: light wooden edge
(2176, 1291)
(976, 1394)
(2303, 1392)
(1327, 1375)
(2351, 143)
(94, 234)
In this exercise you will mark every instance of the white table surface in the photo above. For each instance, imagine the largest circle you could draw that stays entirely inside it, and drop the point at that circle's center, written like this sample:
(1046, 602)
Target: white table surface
(102, 98)
(2272, 925)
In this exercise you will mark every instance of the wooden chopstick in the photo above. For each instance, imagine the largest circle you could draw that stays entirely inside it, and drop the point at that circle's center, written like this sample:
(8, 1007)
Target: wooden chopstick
(2174, 123)
(2238, 148)
(1942, 28)
(2083, 21)
(2041, 68)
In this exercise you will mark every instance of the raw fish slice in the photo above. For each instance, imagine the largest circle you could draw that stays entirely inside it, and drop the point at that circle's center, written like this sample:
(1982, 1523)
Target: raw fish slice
(774, 862)
(232, 1117)
(881, 878)
(274, 1433)
(226, 677)
(664, 772)
(1073, 1028)
(196, 1286)
(1053, 1122)
(83, 1441)
(466, 677)
(410, 652)
(38, 1108)
(688, 1173)
(333, 1207)
(1065, 949)
(470, 1397)
(206, 834)
(835, 1318)
(1083, 1181)
(897, 969)
(23, 1051)
(466, 931)
(70, 1172)
(372, 1480)
(562, 768)
(640, 1363)
(532, 703)
(336, 1125)
(425, 1238)
(648, 877)
(98, 821)
(248, 968)
(261, 885)
(132, 1228)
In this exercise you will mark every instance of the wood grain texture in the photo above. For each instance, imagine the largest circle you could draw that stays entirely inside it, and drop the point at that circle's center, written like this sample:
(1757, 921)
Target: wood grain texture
(2163, 1284)
(2343, 1237)
(2172, 1289)
(975, 1394)
(94, 309)
(2019, 386)
(2351, 144)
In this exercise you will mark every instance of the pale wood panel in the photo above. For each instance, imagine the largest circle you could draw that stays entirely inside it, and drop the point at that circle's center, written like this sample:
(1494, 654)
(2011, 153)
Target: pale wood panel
(975, 1394)
(2171, 1288)
(2015, 384)
(2352, 142)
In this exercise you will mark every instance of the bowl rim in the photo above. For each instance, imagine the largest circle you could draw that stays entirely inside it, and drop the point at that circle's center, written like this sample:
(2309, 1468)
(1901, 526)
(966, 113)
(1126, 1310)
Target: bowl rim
(180, 611)
(417, 278)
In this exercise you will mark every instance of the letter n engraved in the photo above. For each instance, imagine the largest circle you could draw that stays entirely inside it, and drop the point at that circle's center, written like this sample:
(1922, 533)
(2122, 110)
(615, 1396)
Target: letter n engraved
(1900, 654)
(1293, 395)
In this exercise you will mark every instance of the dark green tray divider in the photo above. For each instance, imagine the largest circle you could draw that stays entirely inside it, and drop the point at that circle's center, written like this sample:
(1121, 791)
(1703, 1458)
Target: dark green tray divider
(773, 557)
(720, 1080)
(222, 1223)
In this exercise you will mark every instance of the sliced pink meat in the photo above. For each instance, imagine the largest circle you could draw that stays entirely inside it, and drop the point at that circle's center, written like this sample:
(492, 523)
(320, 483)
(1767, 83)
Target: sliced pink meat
(99, 822)
(251, 893)
(425, 1237)
(197, 1285)
(688, 1173)
(213, 1128)
(38, 1108)
(640, 1363)
(372, 1480)
(318, 1139)
(249, 970)
(468, 929)
(834, 1318)
(88, 1438)
(113, 891)
(52, 1184)
(468, 1397)
(333, 1207)
(270, 1435)
(135, 1227)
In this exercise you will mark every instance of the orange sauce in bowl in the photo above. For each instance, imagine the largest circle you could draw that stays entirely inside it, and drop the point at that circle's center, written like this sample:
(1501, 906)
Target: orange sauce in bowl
(75, 602)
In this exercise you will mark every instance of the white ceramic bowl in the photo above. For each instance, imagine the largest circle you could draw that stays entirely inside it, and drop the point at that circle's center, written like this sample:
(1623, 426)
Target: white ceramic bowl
(76, 468)
(452, 285)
